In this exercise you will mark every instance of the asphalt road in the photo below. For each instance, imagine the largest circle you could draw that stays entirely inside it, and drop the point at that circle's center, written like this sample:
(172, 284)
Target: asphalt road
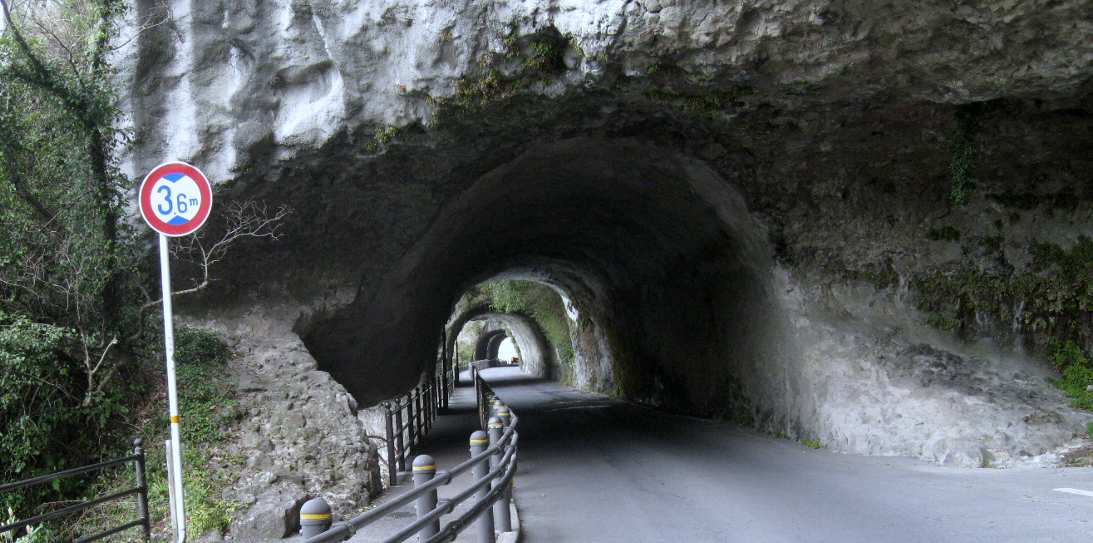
(594, 469)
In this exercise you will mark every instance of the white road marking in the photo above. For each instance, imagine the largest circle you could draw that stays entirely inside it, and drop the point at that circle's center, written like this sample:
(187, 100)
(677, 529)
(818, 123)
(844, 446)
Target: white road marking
(1074, 491)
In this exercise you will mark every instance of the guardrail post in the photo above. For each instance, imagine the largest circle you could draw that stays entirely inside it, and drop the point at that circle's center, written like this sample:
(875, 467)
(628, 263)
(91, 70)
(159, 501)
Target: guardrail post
(501, 506)
(315, 517)
(424, 471)
(410, 430)
(504, 414)
(400, 445)
(142, 484)
(479, 442)
(391, 471)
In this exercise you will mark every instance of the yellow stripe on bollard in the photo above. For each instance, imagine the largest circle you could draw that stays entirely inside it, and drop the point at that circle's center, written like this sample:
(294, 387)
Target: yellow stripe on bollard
(425, 468)
(175, 419)
(315, 516)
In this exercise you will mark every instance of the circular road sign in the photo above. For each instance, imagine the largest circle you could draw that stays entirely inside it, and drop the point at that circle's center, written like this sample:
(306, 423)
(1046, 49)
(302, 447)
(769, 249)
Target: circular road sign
(175, 199)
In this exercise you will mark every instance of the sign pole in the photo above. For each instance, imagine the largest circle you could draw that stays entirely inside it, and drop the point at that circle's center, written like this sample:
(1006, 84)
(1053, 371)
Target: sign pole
(175, 199)
(172, 395)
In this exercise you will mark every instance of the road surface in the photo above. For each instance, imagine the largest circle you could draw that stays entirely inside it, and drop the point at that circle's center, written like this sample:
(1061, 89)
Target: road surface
(602, 470)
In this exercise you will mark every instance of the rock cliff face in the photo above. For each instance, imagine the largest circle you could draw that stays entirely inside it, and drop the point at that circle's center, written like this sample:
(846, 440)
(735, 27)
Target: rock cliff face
(302, 435)
(842, 220)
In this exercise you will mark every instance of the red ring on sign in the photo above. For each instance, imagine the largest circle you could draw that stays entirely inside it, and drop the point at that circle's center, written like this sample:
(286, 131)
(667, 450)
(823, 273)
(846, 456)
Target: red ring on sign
(145, 197)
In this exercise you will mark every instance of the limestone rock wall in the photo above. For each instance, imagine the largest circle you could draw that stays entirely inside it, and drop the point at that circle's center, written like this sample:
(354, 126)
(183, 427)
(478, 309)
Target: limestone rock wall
(302, 435)
(750, 204)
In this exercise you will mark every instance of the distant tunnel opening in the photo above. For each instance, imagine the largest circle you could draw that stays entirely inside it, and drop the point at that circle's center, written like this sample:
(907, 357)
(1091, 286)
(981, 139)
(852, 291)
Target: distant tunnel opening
(663, 272)
(488, 344)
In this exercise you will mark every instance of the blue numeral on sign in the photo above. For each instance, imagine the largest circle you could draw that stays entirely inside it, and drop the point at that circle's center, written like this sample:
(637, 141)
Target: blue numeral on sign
(166, 198)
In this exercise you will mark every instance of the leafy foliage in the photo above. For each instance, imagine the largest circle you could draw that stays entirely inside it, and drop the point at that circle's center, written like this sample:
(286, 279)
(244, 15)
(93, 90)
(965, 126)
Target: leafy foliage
(44, 425)
(208, 409)
(963, 155)
(74, 344)
(1057, 293)
(1077, 373)
(543, 305)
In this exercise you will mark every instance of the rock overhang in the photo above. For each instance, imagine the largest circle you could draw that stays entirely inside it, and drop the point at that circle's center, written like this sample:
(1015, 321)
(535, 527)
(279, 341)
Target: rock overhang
(827, 128)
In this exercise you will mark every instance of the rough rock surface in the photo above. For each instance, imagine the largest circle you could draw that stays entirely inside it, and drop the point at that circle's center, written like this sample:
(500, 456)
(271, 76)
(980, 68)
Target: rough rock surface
(741, 199)
(301, 435)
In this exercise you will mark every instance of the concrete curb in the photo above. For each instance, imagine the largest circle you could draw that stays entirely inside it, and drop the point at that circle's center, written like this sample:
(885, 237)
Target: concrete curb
(514, 535)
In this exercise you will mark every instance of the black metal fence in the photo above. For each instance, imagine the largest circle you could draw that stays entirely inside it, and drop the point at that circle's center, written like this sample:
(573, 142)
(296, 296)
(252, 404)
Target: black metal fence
(493, 465)
(140, 491)
(409, 419)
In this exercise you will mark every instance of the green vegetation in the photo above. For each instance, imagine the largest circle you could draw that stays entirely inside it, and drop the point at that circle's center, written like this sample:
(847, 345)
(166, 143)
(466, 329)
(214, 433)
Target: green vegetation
(1089, 428)
(382, 136)
(963, 155)
(544, 52)
(1057, 293)
(1077, 373)
(812, 443)
(208, 410)
(79, 361)
(1055, 297)
(545, 307)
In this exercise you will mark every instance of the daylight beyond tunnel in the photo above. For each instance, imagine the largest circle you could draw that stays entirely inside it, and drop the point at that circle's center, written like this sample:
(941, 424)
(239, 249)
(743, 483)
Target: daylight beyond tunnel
(664, 266)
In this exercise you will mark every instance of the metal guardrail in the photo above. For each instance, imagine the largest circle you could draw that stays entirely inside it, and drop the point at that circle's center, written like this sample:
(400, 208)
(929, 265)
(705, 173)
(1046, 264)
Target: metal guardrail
(420, 407)
(141, 491)
(493, 465)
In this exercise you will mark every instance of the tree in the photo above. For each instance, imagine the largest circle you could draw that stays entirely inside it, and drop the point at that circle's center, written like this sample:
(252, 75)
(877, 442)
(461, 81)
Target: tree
(75, 277)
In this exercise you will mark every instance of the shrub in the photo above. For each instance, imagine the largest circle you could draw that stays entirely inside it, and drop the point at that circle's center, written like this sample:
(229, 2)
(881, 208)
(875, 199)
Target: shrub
(1077, 373)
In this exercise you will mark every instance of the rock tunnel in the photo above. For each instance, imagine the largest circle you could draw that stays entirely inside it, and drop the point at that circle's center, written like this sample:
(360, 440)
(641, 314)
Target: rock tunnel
(665, 267)
(801, 218)
(488, 344)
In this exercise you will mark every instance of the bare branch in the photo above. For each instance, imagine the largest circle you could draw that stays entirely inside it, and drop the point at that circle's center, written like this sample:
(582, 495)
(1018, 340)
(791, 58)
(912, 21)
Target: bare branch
(242, 220)
(146, 27)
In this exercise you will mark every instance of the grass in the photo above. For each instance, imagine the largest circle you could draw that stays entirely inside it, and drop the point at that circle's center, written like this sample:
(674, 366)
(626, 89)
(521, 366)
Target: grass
(209, 410)
(812, 443)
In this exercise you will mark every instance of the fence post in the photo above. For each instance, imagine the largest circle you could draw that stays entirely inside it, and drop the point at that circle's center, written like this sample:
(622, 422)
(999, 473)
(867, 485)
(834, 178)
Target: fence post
(391, 473)
(426, 411)
(444, 384)
(142, 484)
(504, 414)
(315, 517)
(501, 506)
(410, 430)
(424, 471)
(417, 407)
(479, 442)
(432, 405)
(477, 394)
(400, 445)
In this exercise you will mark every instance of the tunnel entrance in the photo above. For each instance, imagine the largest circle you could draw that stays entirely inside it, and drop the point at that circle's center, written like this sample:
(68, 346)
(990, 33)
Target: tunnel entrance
(663, 272)
(489, 343)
